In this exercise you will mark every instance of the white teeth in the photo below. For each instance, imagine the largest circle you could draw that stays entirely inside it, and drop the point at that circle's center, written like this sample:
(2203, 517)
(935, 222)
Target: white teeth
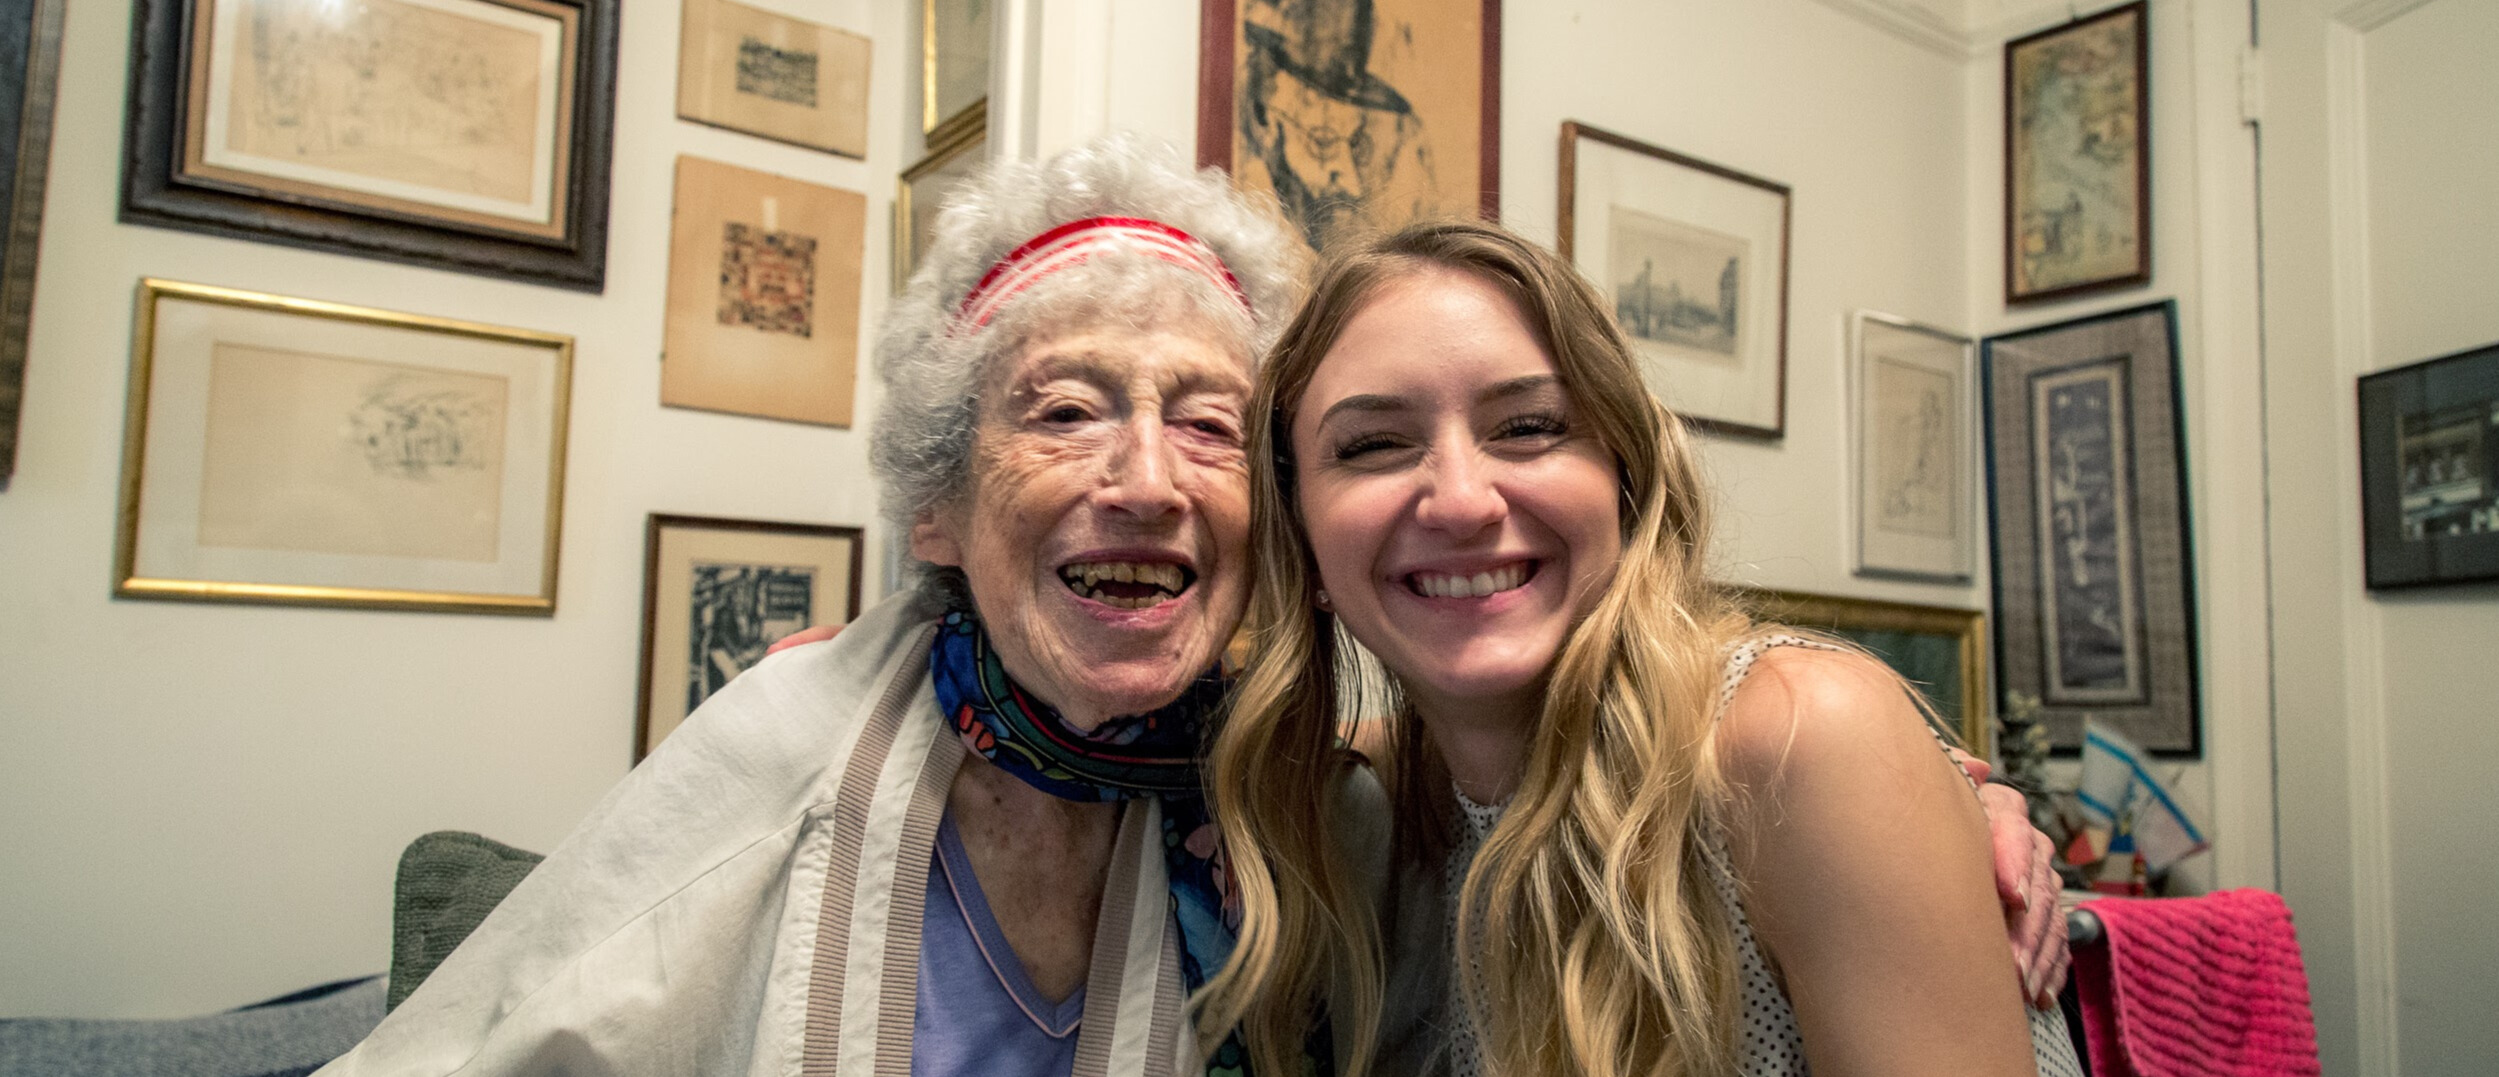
(1479, 585)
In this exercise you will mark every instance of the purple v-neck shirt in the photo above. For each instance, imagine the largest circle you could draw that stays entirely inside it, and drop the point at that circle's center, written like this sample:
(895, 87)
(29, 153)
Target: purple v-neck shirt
(979, 1013)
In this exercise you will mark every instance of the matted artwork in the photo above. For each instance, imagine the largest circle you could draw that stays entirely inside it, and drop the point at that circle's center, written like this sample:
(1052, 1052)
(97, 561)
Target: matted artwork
(1694, 257)
(1914, 420)
(2429, 470)
(716, 593)
(29, 72)
(2087, 503)
(466, 134)
(768, 74)
(2077, 153)
(954, 68)
(293, 451)
(1360, 113)
(921, 192)
(1939, 649)
(763, 295)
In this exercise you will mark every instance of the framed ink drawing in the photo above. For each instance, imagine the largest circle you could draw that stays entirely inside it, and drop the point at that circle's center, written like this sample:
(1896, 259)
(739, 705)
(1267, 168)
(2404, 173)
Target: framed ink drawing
(763, 295)
(922, 190)
(299, 452)
(2087, 506)
(2077, 158)
(30, 60)
(717, 592)
(1354, 112)
(470, 135)
(1913, 416)
(2429, 470)
(1939, 649)
(1694, 256)
(954, 68)
(770, 75)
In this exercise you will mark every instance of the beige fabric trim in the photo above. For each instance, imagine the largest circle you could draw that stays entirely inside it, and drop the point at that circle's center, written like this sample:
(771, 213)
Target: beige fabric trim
(1171, 1050)
(899, 1003)
(1108, 981)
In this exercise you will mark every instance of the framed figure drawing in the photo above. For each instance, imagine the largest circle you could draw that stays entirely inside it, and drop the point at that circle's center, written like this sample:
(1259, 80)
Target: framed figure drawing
(2087, 503)
(1943, 651)
(773, 76)
(763, 295)
(1694, 256)
(30, 59)
(2077, 158)
(954, 68)
(1354, 112)
(293, 451)
(717, 592)
(921, 191)
(470, 135)
(1912, 410)
(2429, 470)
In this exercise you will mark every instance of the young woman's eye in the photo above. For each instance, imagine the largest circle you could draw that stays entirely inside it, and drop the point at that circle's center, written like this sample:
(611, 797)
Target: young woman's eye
(1532, 426)
(1365, 445)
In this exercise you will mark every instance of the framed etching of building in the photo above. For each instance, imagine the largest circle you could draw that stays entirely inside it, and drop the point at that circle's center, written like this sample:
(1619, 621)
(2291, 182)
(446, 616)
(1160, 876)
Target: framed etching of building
(30, 60)
(1354, 112)
(2087, 506)
(770, 75)
(2429, 470)
(763, 295)
(1694, 257)
(470, 135)
(717, 592)
(1913, 417)
(308, 453)
(2077, 158)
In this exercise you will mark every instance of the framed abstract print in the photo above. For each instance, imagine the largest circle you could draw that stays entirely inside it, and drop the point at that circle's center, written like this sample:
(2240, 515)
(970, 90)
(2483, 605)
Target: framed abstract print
(2077, 158)
(773, 76)
(470, 135)
(1914, 419)
(954, 68)
(2429, 470)
(763, 295)
(1694, 256)
(717, 592)
(1943, 651)
(307, 453)
(2087, 506)
(1364, 113)
(30, 62)
(921, 192)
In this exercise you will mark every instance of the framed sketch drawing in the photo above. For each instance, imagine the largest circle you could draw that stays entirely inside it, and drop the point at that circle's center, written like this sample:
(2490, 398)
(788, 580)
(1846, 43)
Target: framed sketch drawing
(922, 191)
(717, 592)
(1694, 256)
(1939, 649)
(1913, 413)
(1354, 112)
(2429, 470)
(293, 451)
(954, 68)
(30, 60)
(767, 74)
(2087, 504)
(2077, 158)
(763, 295)
(470, 135)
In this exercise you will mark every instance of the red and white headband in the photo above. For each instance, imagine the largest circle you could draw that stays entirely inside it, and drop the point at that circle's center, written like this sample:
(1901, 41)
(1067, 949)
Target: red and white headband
(1078, 241)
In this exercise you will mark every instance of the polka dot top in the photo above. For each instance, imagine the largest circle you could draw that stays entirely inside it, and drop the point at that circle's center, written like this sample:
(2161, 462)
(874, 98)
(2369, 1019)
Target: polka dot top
(1768, 1044)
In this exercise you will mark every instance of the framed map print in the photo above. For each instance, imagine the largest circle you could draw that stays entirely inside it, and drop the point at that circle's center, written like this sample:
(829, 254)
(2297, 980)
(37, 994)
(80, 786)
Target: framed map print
(717, 592)
(1913, 412)
(2077, 153)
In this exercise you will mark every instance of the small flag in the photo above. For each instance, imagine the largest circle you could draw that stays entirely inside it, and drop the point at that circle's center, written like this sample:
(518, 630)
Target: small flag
(2120, 796)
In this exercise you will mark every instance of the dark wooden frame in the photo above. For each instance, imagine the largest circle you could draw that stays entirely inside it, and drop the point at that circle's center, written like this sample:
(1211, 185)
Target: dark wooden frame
(1215, 83)
(660, 521)
(1567, 195)
(30, 63)
(2142, 273)
(2467, 378)
(154, 192)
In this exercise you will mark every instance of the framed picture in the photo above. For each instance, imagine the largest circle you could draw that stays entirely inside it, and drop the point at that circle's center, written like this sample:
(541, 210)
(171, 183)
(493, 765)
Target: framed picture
(2429, 470)
(2077, 158)
(307, 453)
(767, 74)
(30, 62)
(763, 295)
(1914, 417)
(954, 68)
(1939, 649)
(922, 191)
(1694, 256)
(470, 135)
(1369, 113)
(717, 592)
(2087, 504)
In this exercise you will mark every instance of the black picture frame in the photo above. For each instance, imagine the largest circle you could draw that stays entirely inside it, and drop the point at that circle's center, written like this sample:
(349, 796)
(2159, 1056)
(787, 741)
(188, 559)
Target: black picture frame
(677, 541)
(30, 64)
(2094, 567)
(156, 191)
(2429, 471)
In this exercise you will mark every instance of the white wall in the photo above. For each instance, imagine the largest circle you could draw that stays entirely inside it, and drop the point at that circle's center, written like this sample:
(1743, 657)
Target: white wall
(201, 806)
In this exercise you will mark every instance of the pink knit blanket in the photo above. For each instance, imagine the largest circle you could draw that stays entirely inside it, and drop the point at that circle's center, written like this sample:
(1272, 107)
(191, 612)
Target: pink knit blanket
(2208, 985)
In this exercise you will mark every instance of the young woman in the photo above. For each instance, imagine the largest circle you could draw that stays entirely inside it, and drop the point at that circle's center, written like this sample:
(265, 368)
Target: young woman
(1657, 836)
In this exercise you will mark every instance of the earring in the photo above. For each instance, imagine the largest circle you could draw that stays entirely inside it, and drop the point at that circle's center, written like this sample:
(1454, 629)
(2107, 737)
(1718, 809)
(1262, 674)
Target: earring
(1323, 601)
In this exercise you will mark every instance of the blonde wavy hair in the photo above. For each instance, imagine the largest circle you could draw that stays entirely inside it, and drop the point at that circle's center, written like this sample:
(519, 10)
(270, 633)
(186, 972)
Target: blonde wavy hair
(1589, 914)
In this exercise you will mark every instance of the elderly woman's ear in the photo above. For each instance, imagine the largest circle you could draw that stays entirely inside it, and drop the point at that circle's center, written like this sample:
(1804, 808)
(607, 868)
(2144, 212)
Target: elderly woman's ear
(934, 541)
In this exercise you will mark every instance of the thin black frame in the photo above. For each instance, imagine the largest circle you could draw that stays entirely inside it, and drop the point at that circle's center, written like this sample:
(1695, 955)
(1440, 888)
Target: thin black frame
(659, 522)
(2142, 271)
(154, 192)
(2462, 379)
(30, 63)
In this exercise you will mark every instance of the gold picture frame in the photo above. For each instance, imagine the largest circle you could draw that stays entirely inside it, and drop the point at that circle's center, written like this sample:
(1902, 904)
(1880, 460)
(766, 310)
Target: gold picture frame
(301, 452)
(921, 191)
(769, 75)
(1937, 648)
(954, 68)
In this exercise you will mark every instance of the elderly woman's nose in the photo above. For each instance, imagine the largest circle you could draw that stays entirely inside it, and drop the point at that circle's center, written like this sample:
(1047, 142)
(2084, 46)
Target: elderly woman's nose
(1139, 478)
(1459, 495)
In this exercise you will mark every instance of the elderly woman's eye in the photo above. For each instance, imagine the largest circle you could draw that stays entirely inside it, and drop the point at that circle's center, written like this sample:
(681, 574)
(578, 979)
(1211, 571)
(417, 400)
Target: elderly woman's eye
(1064, 413)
